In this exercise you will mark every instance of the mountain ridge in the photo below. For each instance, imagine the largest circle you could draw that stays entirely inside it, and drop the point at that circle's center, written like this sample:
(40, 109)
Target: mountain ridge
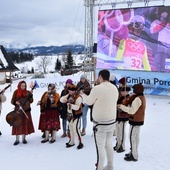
(48, 50)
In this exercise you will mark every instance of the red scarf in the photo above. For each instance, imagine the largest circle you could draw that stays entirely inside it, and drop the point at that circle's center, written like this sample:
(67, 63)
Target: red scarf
(22, 93)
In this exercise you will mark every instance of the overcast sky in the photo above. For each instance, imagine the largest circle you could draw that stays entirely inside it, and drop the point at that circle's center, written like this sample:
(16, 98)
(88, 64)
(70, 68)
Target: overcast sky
(51, 21)
(48, 22)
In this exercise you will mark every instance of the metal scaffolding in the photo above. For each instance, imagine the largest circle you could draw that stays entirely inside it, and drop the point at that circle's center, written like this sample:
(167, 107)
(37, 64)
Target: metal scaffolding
(88, 37)
(88, 33)
(117, 2)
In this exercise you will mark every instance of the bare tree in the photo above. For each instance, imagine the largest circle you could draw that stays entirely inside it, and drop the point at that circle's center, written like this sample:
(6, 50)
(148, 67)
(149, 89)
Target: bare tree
(43, 62)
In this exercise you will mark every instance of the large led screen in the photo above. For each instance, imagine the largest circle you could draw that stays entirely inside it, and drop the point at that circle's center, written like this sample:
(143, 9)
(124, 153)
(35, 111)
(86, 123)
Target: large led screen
(134, 39)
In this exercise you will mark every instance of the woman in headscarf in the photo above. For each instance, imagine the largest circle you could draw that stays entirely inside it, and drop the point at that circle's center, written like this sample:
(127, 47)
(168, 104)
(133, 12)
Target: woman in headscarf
(51, 123)
(22, 98)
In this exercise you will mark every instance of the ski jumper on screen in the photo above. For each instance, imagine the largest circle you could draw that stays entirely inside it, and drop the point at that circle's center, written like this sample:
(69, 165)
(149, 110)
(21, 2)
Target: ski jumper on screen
(134, 55)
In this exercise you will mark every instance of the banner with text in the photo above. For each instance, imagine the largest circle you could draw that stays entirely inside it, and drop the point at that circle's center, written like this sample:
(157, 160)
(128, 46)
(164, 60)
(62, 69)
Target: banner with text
(58, 81)
(154, 83)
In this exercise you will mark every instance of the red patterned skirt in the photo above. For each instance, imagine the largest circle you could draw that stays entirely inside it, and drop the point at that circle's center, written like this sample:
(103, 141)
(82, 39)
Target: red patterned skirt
(51, 120)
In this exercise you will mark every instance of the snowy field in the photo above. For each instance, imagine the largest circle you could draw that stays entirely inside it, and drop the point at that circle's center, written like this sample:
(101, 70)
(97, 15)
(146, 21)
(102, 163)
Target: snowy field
(153, 148)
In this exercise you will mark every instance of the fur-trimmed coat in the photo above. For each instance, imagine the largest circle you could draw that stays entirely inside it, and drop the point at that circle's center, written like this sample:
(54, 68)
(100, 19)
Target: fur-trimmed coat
(47, 104)
(2, 100)
(49, 119)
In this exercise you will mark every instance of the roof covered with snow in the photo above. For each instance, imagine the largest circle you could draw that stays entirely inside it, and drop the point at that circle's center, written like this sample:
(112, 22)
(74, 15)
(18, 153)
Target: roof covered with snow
(6, 64)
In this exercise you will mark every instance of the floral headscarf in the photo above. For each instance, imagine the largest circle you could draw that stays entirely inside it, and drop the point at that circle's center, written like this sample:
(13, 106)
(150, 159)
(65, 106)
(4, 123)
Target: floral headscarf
(21, 93)
(53, 89)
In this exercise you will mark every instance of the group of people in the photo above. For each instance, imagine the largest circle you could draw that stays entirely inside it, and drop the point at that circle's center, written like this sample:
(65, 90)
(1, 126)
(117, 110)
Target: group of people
(130, 108)
(67, 105)
(111, 108)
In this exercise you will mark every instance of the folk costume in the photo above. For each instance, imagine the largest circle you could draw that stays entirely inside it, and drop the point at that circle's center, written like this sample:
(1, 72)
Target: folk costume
(2, 100)
(112, 80)
(104, 98)
(19, 97)
(51, 122)
(74, 113)
(121, 120)
(136, 119)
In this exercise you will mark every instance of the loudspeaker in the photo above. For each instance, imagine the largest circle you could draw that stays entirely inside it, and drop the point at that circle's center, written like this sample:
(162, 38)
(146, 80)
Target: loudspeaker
(95, 48)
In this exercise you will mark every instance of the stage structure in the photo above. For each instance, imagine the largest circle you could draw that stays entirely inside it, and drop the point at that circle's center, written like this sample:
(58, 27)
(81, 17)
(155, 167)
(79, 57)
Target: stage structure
(90, 5)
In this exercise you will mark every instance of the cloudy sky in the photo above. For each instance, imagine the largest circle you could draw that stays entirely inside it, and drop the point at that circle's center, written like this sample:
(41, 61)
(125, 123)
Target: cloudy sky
(52, 22)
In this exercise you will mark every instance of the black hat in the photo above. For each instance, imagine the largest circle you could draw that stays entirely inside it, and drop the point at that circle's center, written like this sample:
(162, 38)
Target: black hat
(122, 81)
(138, 88)
(72, 87)
(125, 88)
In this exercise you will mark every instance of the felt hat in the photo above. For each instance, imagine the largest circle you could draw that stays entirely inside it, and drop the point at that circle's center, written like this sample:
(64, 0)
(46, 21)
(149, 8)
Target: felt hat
(138, 88)
(72, 87)
(122, 81)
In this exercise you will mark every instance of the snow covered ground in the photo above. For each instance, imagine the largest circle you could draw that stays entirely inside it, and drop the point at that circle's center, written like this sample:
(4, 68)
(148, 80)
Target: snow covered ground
(153, 148)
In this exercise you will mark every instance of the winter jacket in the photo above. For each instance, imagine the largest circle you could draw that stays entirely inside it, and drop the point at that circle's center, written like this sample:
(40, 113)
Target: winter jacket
(63, 108)
(86, 87)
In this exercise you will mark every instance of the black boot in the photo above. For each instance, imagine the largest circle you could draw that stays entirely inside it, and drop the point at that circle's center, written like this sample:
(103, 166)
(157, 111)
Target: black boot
(68, 142)
(43, 135)
(16, 142)
(130, 158)
(69, 145)
(120, 149)
(52, 140)
(24, 141)
(80, 146)
(0, 133)
(45, 140)
(127, 154)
